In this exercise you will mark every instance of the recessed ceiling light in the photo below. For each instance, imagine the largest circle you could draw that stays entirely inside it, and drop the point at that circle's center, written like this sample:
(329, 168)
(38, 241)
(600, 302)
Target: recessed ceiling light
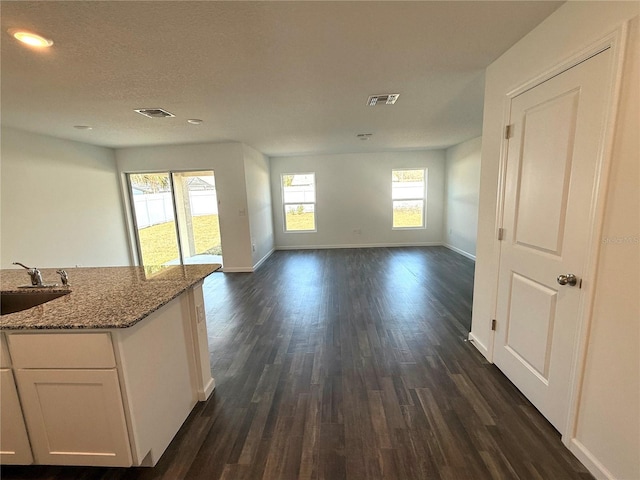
(30, 38)
(83, 127)
(194, 121)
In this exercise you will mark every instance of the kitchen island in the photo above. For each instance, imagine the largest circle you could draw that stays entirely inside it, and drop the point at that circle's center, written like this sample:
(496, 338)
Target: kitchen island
(106, 373)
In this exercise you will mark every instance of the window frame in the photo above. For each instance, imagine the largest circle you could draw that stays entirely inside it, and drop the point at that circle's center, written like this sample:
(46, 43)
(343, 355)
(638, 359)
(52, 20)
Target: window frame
(425, 171)
(285, 204)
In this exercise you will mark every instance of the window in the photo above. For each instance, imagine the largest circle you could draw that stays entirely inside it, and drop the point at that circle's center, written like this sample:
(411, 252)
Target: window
(408, 195)
(299, 201)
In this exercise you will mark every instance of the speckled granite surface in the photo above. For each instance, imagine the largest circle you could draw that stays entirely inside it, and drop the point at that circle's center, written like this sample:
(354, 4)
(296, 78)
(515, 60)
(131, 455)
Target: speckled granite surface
(101, 297)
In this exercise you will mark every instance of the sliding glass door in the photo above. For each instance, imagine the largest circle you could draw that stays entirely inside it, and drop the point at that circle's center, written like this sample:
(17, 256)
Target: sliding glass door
(152, 204)
(196, 203)
(176, 217)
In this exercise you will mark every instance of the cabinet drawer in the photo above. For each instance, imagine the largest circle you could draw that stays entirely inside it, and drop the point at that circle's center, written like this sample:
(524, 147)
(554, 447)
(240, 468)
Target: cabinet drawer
(61, 350)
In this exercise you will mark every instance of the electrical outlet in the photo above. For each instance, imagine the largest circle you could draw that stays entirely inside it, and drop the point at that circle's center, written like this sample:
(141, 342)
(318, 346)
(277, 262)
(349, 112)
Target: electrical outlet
(357, 231)
(253, 247)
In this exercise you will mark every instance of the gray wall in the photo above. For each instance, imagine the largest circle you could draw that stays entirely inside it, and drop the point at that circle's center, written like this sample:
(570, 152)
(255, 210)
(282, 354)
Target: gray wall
(256, 169)
(607, 430)
(227, 160)
(61, 203)
(462, 186)
(354, 194)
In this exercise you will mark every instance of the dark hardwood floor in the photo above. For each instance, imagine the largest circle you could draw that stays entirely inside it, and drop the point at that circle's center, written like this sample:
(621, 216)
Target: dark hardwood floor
(350, 364)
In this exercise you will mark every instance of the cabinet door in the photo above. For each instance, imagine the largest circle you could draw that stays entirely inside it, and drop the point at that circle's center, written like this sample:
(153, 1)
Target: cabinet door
(14, 442)
(75, 417)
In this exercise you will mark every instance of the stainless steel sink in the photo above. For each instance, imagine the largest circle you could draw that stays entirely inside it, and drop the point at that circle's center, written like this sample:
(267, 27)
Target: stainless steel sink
(16, 302)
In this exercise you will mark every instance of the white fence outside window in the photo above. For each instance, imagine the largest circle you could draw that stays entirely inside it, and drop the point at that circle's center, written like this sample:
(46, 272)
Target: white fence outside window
(155, 208)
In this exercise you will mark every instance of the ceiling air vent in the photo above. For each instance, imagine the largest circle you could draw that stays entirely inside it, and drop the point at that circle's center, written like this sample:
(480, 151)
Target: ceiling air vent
(154, 112)
(383, 99)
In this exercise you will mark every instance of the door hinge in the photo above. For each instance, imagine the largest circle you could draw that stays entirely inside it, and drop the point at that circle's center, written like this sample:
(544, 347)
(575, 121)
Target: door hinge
(493, 324)
(508, 132)
(501, 234)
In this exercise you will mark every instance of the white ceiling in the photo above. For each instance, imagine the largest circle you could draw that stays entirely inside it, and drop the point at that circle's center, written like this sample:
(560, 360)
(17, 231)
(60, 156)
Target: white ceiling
(284, 77)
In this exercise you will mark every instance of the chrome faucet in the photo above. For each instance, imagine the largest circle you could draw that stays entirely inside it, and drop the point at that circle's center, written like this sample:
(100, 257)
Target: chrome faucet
(64, 277)
(34, 273)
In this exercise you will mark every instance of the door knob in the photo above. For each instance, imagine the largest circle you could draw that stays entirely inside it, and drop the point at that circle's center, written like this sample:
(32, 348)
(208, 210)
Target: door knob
(568, 279)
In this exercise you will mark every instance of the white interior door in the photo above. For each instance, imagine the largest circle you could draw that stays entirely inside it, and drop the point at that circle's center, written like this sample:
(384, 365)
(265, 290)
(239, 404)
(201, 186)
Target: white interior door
(557, 135)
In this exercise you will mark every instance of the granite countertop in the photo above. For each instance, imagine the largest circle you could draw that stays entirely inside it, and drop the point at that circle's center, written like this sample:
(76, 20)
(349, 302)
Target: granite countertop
(100, 297)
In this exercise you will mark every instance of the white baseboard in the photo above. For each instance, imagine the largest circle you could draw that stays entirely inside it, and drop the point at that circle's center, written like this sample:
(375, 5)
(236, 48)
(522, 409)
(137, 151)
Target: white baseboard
(583, 454)
(262, 260)
(480, 346)
(237, 269)
(461, 252)
(207, 391)
(323, 247)
(361, 245)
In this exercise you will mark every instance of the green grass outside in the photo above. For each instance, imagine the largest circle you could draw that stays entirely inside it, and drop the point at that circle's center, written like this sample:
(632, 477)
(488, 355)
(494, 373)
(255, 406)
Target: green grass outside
(159, 244)
(407, 217)
(300, 221)
(402, 218)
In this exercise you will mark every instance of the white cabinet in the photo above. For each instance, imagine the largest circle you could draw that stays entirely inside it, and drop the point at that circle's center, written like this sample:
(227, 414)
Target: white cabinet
(14, 442)
(157, 361)
(75, 417)
(105, 398)
(71, 398)
(205, 382)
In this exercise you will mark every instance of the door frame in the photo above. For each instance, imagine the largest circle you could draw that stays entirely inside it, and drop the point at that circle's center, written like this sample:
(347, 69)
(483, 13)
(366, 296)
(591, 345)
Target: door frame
(616, 42)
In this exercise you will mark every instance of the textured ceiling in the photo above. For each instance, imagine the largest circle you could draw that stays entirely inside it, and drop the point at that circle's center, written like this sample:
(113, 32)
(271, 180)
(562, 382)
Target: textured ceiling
(284, 77)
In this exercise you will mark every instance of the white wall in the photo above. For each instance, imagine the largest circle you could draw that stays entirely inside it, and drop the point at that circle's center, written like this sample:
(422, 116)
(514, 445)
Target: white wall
(227, 162)
(61, 203)
(462, 190)
(609, 416)
(353, 193)
(256, 170)
(607, 439)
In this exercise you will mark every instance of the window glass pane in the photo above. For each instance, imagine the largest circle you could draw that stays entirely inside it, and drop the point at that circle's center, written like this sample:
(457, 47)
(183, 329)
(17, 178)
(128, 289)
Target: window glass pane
(299, 188)
(152, 204)
(407, 184)
(197, 209)
(408, 213)
(300, 217)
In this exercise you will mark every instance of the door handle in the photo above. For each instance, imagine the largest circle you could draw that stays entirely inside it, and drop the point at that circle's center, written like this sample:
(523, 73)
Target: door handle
(568, 279)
